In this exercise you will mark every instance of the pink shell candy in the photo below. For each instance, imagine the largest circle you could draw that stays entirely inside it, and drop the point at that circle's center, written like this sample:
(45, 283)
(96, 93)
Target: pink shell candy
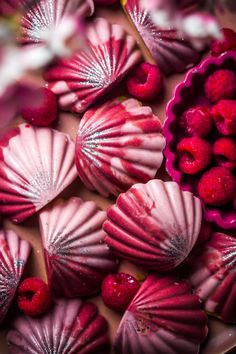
(118, 144)
(36, 164)
(170, 52)
(71, 327)
(76, 255)
(154, 225)
(164, 317)
(43, 16)
(14, 253)
(108, 56)
(213, 276)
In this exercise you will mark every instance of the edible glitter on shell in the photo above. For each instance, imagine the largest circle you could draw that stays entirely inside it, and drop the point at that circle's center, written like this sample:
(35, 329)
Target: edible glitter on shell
(177, 247)
(8, 285)
(19, 263)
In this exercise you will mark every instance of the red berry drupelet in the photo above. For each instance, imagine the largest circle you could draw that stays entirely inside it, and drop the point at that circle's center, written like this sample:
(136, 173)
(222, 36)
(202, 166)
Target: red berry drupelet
(118, 290)
(217, 186)
(224, 115)
(220, 85)
(224, 151)
(194, 155)
(34, 296)
(145, 83)
(197, 121)
(44, 112)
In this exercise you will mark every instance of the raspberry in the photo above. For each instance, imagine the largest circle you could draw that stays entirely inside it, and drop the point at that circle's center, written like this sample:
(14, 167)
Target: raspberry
(224, 115)
(197, 121)
(224, 150)
(217, 186)
(44, 112)
(194, 155)
(228, 43)
(118, 290)
(220, 85)
(145, 83)
(34, 297)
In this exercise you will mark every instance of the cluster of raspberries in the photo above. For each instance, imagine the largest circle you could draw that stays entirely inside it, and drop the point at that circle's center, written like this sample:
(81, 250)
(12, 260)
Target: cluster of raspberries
(210, 148)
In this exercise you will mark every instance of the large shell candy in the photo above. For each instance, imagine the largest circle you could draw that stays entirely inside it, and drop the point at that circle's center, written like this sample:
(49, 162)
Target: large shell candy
(108, 56)
(164, 317)
(170, 52)
(154, 225)
(118, 144)
(71, 327)
(46, 16)
(36, 164)
(14, 253)
(76, 255)
(213, 276)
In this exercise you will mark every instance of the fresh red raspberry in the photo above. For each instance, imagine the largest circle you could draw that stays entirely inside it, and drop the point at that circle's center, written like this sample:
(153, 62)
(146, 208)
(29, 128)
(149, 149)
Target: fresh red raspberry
(227, 43)
(106, 2)
(118, 290)
(44, 112)
(194, 155)
(224, 150)
(224, 115)
(197, 121)
(145, 83)
(217, 186)
(34, 296)
(205, 233)
(220, 85)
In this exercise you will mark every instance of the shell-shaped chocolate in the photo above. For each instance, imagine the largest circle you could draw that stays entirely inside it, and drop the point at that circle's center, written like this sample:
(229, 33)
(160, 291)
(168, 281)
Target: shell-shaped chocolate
(213, 275)
(14, 253)
(154, 225)
(76, 255)
(107, 57)
(71, 327)
(46, 16)
(170, 52)
(118, 144)
(36, 164)
(164, 317)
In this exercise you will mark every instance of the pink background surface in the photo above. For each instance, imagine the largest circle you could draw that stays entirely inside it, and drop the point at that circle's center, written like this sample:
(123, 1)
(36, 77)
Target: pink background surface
(221, 337)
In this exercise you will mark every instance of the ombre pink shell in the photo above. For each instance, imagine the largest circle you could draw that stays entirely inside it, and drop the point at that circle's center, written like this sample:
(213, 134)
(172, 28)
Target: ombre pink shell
(14, 253)
(36, 164)
(71, 327)
(170, 52)
(154, 225)
(77, 257)
(213, 275)
(47, 15)
(108, 56)
(118, 144)
(163, 318)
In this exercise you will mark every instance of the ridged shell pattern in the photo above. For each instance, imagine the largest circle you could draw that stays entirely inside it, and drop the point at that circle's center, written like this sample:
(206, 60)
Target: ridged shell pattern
(170, 52)
(48, 15)
(107, 57)
(118, 144)
(14, 253)
(213, 275)
(71, 327)
(77, 257)
(36, 164)
(163, 318)
(154, 225)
